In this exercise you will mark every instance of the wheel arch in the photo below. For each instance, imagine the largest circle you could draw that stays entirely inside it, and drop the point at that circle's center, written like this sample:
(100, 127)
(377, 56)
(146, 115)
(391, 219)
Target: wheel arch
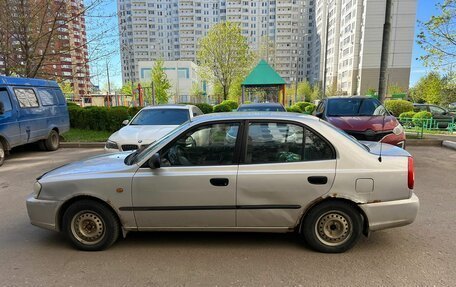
(5, 143)
(334, 199)
(69, 202)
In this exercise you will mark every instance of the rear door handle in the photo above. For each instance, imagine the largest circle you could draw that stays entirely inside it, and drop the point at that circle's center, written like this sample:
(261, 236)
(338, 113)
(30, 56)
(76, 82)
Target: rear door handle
(219, 181)
(317, 179)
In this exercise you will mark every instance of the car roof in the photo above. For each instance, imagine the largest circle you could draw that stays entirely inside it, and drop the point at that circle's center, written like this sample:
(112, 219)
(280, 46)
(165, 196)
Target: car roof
(254, 116)
(27, 82)
(169, 106)
(261, 105)
(350, 97)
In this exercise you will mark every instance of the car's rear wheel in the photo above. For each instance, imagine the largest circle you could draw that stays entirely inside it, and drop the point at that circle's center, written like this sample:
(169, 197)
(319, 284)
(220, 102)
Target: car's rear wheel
(90, 226)
(2, 154)
(332, 227)
(52, 142)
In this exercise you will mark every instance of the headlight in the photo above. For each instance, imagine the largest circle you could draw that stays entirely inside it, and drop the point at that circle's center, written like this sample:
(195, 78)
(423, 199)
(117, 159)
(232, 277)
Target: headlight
(111, 145)
(398, 130)
(36, 189)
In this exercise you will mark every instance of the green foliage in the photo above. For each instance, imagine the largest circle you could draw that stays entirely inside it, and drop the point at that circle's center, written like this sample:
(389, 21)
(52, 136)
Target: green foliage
(428, 89)
(235, 92)
(232, 104)
(224, 55)
(220, 108)
(371, 91)
(71, 104)
(294, 109)
(128, 87)
(79, 135)
(197, 92)
(397, 107)
(161, 83)
(437, 36)
(132, 111)
(98, 118)
(310, 108)
(418, 118)
(406, 115)
(395, 89)
(302, 105)
(205, 108)
(66, 88)
(305, 91)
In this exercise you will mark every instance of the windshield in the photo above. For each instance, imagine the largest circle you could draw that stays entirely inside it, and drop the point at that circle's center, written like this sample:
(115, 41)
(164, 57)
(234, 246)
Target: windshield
(343, 133)
(142, 154)
(355, 107)
(261, 109)
(157, 117)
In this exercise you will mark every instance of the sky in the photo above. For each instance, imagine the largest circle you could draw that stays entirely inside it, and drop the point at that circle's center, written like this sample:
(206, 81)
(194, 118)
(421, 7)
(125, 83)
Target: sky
(426, 8)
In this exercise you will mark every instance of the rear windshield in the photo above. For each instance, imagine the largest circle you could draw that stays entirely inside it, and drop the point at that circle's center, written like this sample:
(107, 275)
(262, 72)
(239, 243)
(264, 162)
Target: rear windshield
(261, 109)
(355, 107)
(157, 117)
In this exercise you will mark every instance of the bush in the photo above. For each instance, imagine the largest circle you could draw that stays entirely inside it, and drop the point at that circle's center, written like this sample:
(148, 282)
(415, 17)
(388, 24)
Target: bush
(97, 118)
(302, 105)
(72, 104)
(294, 109)
(310, 109)
(418, 118)
(220, 108)
(232, 104)
(397, 107)
(132, 111)
(406, 115)
(205, 108)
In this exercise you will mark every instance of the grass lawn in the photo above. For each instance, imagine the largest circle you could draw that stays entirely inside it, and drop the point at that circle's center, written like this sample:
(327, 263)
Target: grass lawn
(78, 135)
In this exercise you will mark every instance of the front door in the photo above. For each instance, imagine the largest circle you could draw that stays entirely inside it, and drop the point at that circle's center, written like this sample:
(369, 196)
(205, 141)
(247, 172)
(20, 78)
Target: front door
(9, 126)
(286, 167)
(195, 186)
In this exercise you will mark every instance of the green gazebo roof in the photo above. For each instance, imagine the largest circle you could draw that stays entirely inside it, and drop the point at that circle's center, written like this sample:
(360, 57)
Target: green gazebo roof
(262, 75)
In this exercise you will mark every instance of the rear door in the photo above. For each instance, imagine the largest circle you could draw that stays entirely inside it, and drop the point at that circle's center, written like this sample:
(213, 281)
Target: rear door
(9, 126)
(286, 166)
(441, 116)
(32, 116)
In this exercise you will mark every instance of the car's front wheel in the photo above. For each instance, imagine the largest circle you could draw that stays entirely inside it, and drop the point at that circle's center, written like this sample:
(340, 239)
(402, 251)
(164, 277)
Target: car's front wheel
(332, 227)
(90, 226)
(2, 154)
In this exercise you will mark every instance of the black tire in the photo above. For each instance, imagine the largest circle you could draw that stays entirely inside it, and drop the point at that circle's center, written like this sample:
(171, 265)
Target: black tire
(53, 141)
(332, 227)
(2, 154)
(90, 225)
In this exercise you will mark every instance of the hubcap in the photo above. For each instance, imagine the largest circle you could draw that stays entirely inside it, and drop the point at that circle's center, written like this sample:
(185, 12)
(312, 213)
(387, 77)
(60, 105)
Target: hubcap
(54, 140)
(87, 227)
(333, 228)
(2, 153)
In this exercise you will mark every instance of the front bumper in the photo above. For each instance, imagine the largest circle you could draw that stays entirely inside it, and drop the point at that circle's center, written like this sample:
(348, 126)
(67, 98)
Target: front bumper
(388, 214)
(43, 213)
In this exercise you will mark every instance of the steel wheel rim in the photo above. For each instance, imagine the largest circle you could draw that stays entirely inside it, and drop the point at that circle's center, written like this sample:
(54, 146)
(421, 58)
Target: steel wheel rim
(88, 227)
(2, 154)
(54, 140)
(334, 228)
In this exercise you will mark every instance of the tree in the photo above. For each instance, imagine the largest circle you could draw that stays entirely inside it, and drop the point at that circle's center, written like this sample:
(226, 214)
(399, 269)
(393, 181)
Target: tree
(160, 82)
(438, 37)
(305, 91)
(428, 89)
(197, 93)
(127, 88)
(66, 87)
(371, 91)
(224, 55)
(395, 89)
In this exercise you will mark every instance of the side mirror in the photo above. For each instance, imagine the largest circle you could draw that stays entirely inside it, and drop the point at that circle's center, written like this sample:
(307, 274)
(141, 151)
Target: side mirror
(125, 122)
(319, 114)
(154, 161)
(2, 108)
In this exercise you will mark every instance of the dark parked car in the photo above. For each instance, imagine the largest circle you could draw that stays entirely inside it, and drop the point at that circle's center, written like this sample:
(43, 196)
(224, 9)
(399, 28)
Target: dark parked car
(362, 117)
(442, 116)
(261, 107)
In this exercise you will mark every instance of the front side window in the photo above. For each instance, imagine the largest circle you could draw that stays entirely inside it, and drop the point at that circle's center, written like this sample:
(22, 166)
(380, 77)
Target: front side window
(436, 110)
(26, 98)
(4, 98)
(208, 145)
(156, 117)
(283, 142)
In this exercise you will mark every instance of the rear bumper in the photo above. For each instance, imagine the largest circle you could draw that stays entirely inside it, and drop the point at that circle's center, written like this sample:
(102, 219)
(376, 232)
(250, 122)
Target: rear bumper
(388, 214)
(42, 213)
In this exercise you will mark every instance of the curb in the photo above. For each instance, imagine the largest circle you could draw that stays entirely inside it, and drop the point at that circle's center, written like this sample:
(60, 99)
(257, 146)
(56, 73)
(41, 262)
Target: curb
(82, 144)
(423, 142)
(449, 144)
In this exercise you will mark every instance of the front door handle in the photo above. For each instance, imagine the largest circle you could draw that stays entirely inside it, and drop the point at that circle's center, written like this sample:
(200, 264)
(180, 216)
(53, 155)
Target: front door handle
(219, 181)
(317, 179)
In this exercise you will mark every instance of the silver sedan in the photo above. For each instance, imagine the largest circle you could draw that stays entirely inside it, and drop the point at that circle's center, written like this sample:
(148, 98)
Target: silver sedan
(277, 172)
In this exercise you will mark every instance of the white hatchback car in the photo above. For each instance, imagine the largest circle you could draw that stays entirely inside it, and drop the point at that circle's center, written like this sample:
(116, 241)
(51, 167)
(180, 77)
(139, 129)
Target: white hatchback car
(149, 125)
(276, 172)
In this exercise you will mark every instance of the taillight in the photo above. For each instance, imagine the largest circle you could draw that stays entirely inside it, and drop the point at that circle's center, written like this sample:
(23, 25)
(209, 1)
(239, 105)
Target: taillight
(411, 173)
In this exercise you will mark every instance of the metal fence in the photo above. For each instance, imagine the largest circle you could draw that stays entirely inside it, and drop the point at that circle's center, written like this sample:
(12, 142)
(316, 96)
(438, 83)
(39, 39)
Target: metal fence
(421, 126)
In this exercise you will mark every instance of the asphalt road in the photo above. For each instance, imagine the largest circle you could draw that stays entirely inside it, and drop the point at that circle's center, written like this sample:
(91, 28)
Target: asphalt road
(421, 254)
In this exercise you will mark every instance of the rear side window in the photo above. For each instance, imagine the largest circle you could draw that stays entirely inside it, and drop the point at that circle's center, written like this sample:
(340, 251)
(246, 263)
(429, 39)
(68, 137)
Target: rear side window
(26, 98)
(4, 98)
(47, 98)
(283, 142)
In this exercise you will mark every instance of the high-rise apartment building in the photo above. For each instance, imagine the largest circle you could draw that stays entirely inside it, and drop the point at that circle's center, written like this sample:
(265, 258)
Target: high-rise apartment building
(336, 40)
(350, 37)
(65, 56)
(170, 29)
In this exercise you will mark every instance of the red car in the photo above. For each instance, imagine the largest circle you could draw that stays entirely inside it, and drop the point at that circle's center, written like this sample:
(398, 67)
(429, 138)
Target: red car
(362, 117)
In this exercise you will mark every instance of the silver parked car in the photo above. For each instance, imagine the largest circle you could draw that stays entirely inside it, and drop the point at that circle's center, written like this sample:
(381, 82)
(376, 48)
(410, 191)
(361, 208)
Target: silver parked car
(269, 172)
